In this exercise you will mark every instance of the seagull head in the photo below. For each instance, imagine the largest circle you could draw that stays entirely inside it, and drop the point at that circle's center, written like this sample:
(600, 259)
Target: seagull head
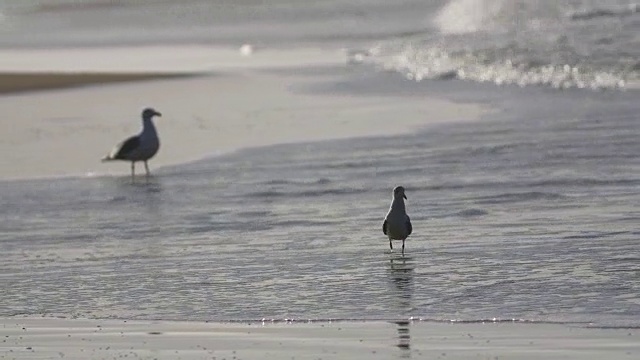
(398, 192)
(149, 113)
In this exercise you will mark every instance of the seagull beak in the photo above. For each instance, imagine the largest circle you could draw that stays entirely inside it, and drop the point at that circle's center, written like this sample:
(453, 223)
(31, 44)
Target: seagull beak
(404, 196)
(157, 114)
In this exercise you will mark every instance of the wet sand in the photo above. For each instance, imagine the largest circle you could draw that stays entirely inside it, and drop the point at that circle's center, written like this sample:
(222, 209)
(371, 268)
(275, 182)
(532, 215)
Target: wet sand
(11, 83)
(244, 103)
(65, 127)
(110, 339)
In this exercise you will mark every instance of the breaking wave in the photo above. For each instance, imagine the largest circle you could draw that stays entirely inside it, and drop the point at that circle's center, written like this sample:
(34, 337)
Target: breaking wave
(515, 42)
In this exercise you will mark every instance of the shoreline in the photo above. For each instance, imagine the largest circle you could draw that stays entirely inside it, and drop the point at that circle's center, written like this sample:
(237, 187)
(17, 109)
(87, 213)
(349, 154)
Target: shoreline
(12, 83)
(65, 132)
(79, 338)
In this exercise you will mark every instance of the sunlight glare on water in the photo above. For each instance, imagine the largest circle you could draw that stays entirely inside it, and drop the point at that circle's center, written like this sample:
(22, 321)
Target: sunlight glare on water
(504, 227)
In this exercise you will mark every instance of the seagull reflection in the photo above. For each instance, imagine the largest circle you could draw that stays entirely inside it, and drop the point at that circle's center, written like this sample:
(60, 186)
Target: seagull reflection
(401, 275)
(130, 198)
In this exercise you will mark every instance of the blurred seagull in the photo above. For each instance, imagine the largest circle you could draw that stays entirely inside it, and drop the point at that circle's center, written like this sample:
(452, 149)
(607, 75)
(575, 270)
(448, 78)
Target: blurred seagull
(141, 147)
(397, 225)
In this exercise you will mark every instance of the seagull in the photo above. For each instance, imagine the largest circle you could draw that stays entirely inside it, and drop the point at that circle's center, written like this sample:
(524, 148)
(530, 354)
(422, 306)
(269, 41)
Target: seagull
(397, 225)
(141, 147)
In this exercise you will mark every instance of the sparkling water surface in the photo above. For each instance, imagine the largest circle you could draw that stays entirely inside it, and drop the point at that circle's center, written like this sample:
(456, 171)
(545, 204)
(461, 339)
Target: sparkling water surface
(530, 214)
(591, 44)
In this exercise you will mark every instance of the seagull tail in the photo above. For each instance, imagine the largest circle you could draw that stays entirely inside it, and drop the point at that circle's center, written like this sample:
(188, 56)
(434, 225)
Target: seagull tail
(107, 158)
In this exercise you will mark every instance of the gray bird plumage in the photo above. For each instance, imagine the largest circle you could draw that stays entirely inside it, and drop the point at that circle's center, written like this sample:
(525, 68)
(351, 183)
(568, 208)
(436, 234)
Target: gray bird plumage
(397, 224)
(141, 147)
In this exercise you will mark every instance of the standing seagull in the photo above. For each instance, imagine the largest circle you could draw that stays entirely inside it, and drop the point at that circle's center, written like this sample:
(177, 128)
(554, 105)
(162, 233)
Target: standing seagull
(397, 225)
(141, 147)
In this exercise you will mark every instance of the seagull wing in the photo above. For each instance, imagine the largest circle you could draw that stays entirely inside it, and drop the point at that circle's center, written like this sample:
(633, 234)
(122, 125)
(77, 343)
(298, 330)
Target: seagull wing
(384, 227)
(124, 148)
(409, 227)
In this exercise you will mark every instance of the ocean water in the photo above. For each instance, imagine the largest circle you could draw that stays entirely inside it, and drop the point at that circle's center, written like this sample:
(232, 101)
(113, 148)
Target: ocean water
(529, 214)
(591, 44)
(556, 43)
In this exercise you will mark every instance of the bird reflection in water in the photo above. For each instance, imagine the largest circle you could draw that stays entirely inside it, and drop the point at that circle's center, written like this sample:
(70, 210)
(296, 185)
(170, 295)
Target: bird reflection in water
(401, 276)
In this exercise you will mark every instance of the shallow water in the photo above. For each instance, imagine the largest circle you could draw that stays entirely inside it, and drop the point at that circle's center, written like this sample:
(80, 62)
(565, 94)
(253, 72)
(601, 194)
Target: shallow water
(528, 214)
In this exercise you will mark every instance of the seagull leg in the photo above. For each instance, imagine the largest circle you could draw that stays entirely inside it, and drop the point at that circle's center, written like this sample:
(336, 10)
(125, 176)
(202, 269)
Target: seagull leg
(403, 248)
(391, 245)
(146, 167)
(133, 169)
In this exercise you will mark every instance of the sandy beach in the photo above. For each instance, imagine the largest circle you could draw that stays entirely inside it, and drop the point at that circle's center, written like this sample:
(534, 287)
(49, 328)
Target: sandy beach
(33, 338)
(66, 131)
(285, 125)
(11, 83)
(59, 123)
